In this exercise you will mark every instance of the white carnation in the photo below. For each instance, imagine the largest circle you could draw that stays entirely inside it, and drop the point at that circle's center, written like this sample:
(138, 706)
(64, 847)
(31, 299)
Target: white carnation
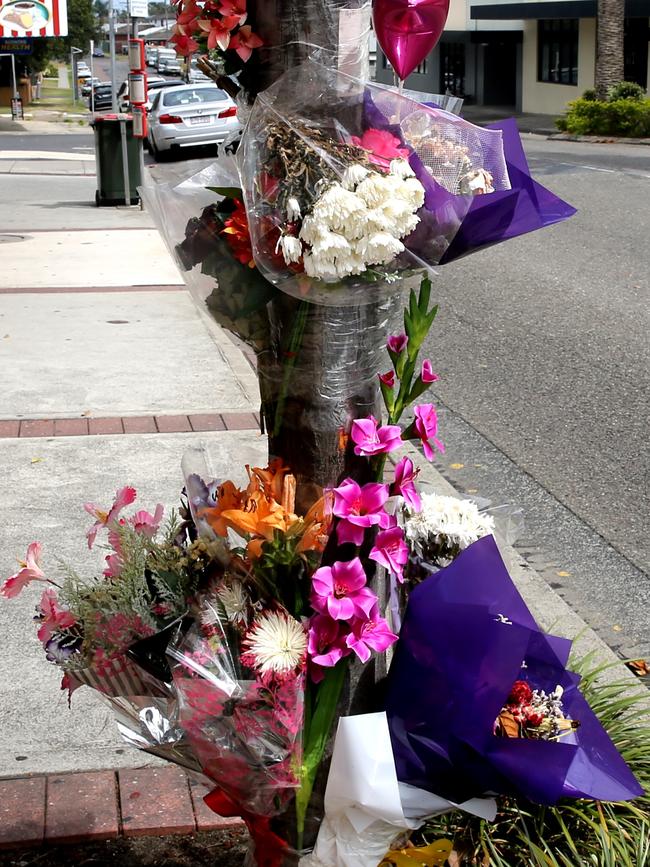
(377, 189)
(411, 191)
(313, 230)
(330, 245)
(337, 205)
(353, 175)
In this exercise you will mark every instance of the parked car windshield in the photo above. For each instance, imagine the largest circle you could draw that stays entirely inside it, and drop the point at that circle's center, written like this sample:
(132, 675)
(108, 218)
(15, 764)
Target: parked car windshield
(192, 96)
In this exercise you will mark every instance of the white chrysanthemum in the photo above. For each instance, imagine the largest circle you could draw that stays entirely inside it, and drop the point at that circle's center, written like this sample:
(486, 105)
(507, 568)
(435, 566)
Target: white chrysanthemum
(447, 519)
(337, 205)
(400, 217)
(333, 268)
(412, 192)
(401, 168)
(378, 221)
(276, 643)
(293, 210)
(379, 249)
(377, 189)
(353, 175)
(235, 601)
(291, 248)
(313, 230)
(330, 245)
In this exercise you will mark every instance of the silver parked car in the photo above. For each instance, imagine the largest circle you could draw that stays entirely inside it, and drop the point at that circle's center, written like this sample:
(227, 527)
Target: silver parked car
(195, 114)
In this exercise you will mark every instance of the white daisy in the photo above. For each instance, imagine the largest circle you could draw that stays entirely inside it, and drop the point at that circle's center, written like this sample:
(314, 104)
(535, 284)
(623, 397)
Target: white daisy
(276, 643)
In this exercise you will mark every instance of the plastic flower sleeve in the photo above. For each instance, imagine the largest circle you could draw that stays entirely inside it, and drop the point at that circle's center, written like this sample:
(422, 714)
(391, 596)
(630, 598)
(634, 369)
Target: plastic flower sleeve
(207, 236)
(246, 732)
(467, 637)
(350, 187)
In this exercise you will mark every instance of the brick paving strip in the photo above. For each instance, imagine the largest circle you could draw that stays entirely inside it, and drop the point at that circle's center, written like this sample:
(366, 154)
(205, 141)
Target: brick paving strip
(102, 805)
(139, 424)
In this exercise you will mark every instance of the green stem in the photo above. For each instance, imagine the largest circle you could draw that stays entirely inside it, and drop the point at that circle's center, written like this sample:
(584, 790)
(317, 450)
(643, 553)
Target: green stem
(291, 353)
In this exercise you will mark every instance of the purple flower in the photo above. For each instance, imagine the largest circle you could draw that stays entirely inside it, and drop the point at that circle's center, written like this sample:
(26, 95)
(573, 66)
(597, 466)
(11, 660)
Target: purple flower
(388, 379)
(359, 508)
(426, 427)
(372, 440)
(370, 634)
(341, 592)
(427, 375)
(397, 343)
(391, 551)
(405, 476)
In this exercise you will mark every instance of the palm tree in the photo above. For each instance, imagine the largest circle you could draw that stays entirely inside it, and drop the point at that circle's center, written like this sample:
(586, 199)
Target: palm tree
(609, 52)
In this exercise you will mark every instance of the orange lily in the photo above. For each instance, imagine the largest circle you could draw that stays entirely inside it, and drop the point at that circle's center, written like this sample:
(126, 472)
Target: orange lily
(228, 497)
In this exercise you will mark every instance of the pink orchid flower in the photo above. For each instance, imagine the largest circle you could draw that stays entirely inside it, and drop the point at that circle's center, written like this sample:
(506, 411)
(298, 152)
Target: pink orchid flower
(326, 641)
(340, 590)
(391, 551)
(388, 379)
(146, 523)
(245, 41)
(51, 616)
(219, 31)
(427, 375)
(382, 145)
(123, 497)
(234, 7)
(372, 440)
(29, 571)
(426, 426)
(370, 634)
(360, 508)
(403, 485)
(397, 343)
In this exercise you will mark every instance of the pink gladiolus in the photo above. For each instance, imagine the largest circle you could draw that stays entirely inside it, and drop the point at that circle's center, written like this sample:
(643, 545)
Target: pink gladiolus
(397, 343)
(124, 497)
(340, 591)
(218, 30)
(29, 571)
(52, 617)
(427, 375)
(144, 522)
(391, 551)
(326, 641)
(360, 508)
(244, 41)
(388, 379)
(382, 145)
(370, 634)
(426, 426)
(372, 440)
(405, 476)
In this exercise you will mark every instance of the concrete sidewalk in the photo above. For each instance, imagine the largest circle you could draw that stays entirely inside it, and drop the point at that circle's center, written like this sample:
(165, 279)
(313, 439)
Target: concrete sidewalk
(106, 381)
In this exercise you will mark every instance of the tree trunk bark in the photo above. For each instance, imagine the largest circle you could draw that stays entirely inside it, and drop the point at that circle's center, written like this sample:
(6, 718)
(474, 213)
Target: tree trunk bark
(610, 67)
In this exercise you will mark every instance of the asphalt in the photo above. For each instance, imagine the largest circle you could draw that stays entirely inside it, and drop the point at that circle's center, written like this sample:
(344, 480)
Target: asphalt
(123, 350)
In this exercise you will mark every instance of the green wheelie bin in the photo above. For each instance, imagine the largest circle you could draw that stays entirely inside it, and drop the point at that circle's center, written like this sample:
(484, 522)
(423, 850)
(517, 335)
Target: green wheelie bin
(108, 155)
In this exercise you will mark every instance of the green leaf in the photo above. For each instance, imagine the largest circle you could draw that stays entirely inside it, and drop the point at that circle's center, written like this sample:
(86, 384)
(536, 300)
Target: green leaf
(227, 192)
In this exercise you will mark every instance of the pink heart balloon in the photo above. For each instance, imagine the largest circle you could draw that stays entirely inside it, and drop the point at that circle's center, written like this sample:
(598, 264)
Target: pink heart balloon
(408, 30)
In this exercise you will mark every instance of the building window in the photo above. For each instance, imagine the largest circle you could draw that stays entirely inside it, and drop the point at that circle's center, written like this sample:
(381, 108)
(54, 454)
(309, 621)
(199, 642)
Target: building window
(420, 69)
(557, 51)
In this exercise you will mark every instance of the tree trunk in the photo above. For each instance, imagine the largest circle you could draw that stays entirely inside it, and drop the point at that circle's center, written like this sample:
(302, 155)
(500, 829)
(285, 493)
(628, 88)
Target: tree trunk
(610, 68)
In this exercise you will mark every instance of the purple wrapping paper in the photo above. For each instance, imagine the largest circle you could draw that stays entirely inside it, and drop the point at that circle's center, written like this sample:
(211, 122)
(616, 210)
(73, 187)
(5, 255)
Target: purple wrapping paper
(454, 666)
(506, 214)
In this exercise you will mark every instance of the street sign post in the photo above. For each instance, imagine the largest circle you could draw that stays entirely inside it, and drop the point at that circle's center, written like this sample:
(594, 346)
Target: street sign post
(138, 8)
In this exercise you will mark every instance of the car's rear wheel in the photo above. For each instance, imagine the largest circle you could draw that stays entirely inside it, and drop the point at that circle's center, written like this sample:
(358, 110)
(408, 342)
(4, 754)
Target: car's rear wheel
(158, 155)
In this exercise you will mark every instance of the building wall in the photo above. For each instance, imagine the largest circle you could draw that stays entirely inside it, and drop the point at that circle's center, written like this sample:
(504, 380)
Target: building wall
(544, 98)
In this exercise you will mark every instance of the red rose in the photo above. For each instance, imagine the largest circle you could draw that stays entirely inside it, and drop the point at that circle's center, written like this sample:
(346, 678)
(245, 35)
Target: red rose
(521, 693)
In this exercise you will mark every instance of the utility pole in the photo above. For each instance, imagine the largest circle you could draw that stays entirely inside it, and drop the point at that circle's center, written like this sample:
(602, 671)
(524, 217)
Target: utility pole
(111, 42)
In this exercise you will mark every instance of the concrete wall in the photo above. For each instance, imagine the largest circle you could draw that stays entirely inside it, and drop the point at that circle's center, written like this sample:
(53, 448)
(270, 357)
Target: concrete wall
(544, 98)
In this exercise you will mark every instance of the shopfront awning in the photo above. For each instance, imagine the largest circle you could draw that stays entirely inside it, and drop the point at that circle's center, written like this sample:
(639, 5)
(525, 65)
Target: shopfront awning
(552, 9)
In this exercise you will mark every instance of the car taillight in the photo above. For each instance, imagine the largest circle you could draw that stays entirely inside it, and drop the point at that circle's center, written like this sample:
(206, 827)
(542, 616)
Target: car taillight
(170, 118)
(228, 112)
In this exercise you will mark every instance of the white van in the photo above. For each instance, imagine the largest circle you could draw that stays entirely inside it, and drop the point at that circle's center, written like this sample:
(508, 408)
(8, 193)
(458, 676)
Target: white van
(167, 61)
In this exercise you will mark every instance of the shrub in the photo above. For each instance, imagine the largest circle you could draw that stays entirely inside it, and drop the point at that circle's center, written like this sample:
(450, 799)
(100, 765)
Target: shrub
(51, 71)
(625, 117)
(625, 90)
(589, 94)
